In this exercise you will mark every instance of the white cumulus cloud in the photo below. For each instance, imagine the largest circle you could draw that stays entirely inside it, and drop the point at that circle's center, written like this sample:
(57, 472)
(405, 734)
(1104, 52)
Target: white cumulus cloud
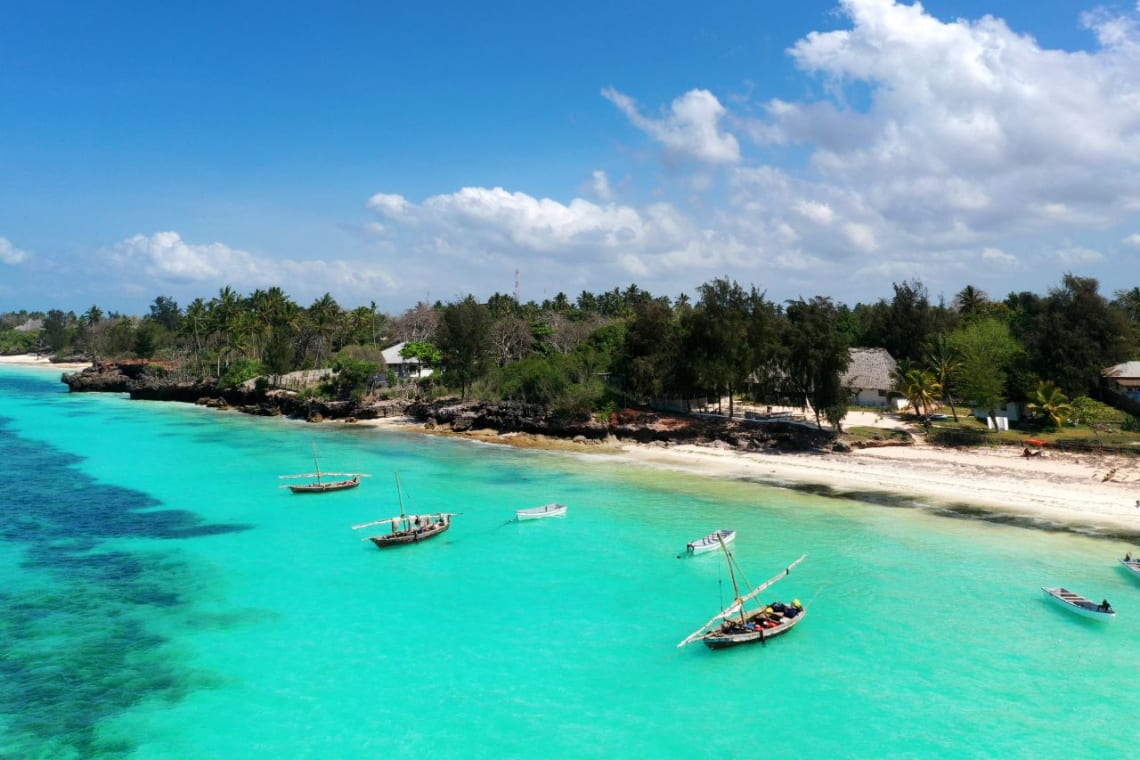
(164, 260)
(166, 256)
(691, 128)
(600, 186)
(1078, 255)
(10, 254)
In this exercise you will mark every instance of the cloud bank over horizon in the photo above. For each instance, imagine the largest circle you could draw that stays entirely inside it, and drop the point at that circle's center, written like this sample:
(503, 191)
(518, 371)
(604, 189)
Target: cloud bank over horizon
(958, 152)
(977, 155)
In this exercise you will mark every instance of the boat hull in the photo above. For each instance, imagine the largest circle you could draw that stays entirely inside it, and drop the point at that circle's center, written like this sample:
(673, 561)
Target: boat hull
(710, 543)
(540, 513)
(1078, 604)
(340, 485)
(727, 636)
(410, 536)
(1132, 565)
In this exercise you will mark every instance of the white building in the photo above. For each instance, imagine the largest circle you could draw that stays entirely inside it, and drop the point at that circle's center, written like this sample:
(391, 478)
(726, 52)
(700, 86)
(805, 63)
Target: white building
(404, 368)
(870, 376)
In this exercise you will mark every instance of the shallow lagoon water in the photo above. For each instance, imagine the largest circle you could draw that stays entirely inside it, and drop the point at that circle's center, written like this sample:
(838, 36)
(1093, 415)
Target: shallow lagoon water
(164, 597)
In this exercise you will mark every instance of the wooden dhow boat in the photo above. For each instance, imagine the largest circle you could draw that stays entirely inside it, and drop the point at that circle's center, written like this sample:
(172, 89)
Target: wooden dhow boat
(1074, 602)
(538, 513)
(736, 625)
(408, 529)
(711, 541)
(320, 485)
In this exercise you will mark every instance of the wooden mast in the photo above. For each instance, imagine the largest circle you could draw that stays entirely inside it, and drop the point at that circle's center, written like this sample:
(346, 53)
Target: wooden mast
(316, 464)
(731, 574)
(400, 497)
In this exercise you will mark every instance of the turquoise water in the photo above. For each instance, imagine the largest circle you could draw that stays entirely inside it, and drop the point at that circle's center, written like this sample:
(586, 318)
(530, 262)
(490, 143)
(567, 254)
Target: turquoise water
(163, 597)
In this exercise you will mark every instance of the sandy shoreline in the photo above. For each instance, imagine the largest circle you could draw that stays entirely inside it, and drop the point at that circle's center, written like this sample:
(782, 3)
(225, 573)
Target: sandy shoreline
(32, 360)
(1085, 492)
(1090, 493)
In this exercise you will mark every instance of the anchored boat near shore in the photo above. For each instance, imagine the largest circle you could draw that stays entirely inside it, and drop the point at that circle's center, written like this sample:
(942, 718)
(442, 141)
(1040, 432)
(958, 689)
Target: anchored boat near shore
(408, 529)
(319, 485)
(735, 625)
(711, 541)
(538, 513)
(1074, 602)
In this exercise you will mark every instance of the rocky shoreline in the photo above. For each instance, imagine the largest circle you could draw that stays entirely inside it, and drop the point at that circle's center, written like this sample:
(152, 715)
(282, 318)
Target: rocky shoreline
(143, 382)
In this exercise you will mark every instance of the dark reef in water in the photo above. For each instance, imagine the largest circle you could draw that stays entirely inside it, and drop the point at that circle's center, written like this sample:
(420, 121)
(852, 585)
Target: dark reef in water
(80, 640)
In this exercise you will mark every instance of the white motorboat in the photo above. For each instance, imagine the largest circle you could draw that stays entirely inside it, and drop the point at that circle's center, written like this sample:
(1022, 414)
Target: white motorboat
(1132, 563)
(711, 542)
(537, 513)
(1075, 602)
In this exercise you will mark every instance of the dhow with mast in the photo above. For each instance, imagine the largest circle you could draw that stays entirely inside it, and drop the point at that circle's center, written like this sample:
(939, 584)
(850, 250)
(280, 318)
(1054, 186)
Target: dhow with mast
(318, 484)
(735, 624)
(408, 529)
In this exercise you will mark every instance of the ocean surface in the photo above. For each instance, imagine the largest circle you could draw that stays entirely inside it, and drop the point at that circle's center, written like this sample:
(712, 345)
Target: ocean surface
(162, 596)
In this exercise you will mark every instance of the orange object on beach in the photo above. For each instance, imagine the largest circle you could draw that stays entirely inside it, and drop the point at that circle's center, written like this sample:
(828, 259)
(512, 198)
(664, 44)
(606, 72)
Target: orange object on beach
(1035, 442)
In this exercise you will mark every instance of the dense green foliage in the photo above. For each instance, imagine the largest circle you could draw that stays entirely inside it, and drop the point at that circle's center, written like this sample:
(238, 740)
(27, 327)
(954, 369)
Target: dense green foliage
(624, 346)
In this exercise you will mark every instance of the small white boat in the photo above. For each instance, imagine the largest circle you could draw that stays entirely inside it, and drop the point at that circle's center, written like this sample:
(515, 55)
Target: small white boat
(1078, 604)
(1132, 563)
(711, 542)
(537, 513)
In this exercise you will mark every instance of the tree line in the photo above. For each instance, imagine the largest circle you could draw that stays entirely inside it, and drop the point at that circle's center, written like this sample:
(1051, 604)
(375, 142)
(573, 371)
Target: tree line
(628, 345)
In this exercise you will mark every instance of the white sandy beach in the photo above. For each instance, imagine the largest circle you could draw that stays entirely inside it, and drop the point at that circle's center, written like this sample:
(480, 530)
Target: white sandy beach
(1075, 490)
(1081, 491)
(41, 361)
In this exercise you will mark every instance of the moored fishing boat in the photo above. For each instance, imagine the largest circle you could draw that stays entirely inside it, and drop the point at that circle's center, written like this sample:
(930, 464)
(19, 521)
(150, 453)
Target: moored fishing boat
(322, 486)
(318, 484)
(538, 513)
(1132, 564)
(711, 541)
(408, 529)
(1074, 602)
(735, 624)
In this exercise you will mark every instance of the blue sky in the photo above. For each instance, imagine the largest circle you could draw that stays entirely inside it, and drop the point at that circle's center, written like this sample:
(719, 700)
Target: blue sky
(425, 151)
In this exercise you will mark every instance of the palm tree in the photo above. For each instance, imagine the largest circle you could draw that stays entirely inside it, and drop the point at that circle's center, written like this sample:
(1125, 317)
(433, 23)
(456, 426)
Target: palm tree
(323, 317)
(373, 305)
(91, 330)
(1050, 402)
(1128, 301)
(970, 301)
(921, 390)
(197, 323)
(93, 316)
(945, 362)
(223, 313)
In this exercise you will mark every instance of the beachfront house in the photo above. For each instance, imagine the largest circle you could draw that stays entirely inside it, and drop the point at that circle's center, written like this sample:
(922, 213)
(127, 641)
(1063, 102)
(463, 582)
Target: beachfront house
(31, 325)
(405, 369)
(1122, 386)
(1124, 379)
(869, 376)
